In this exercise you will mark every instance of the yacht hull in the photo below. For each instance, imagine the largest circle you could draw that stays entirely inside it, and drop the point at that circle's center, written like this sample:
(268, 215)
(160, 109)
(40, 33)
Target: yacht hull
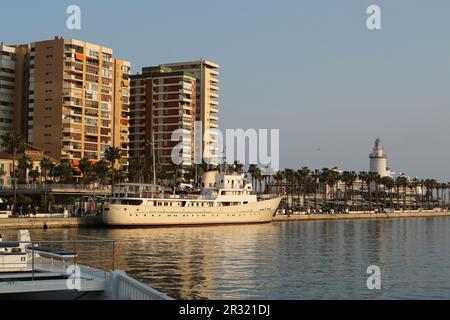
(128, 215)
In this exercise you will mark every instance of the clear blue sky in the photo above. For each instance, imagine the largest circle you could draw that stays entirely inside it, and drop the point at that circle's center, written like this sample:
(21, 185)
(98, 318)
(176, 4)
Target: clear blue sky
(310, 68)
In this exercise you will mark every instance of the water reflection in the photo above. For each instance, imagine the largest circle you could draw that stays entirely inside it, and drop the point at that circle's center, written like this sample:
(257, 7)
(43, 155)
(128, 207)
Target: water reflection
(297, 260)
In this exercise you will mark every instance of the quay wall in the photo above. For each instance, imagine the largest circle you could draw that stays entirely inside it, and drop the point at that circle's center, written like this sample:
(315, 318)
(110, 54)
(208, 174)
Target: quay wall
(44, 223)
(54, 222)
(361, 216)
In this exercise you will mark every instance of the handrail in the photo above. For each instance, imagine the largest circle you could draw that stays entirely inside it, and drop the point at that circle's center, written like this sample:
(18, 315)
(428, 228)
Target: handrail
(65, 253)
(124, 287)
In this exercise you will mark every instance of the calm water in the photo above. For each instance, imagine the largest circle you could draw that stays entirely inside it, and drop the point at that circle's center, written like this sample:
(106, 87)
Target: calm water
(296, 260)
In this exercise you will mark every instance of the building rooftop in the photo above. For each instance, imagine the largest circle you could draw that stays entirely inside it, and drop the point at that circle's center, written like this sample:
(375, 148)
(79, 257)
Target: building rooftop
(196, 62)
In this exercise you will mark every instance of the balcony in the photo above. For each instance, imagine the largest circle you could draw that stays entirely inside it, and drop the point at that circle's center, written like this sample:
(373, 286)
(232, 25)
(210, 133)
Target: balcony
(184, 99)
(185, 91)
(72, 121)
(72, 104)
(187, 120)
(76, 69)
(72, 77)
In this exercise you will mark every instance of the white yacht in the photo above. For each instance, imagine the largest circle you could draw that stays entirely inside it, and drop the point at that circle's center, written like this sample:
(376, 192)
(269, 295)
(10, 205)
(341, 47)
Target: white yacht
(225, 199)
(66, 270)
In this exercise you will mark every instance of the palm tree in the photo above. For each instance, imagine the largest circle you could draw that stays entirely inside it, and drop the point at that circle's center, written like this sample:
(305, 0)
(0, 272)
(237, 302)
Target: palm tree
(136, 169)
(45, 168)
(428, 183)
(333, 180)
(324, 180)
(315, 177)
(304, 174)
(13, 142)
(401, 181)
(364, 177)
(34, 176)
(279, 177)
(85, 167)
(64, 171)
(345, 178)
(113, 156)
(415, 183)
(371, 177)
(349, 178)
(388, 184)
(238, 167)
(377, 179)
(352, 179)
(101, 171)
(253, 172)
(119, 175)
(422, 189)
(298, 178)
(289, 175)
(25, 165)
(405, 184)
(259, 178)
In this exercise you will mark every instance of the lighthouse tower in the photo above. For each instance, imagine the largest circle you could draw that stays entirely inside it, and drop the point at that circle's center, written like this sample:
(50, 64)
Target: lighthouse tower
(378, 159)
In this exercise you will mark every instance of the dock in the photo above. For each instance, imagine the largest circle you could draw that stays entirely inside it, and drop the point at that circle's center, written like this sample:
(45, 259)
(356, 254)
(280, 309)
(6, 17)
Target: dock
(361, 216)
(50, 223)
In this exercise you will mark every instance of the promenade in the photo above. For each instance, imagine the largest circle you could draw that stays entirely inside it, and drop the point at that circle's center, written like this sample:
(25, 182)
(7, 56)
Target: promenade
(362, 216)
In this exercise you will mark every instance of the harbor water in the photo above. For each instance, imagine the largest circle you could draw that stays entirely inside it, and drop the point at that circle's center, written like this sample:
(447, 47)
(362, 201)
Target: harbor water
(290, 260)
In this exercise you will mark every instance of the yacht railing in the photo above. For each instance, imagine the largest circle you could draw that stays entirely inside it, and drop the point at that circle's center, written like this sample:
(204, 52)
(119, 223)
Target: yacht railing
(90, 255)
(74, 261)
(124, 287)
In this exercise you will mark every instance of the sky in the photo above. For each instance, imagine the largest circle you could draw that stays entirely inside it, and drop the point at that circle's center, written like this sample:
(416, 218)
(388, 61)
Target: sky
(310, 68)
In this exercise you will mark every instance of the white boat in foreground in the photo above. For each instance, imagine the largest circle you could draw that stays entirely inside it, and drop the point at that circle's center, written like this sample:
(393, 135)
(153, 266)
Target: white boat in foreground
(225, 199)
(67, 270)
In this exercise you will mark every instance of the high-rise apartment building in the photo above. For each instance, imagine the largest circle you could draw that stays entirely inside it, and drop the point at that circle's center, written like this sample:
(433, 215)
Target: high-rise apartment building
(206, 73)
(7, 88)
(77, 99)
(163, 101)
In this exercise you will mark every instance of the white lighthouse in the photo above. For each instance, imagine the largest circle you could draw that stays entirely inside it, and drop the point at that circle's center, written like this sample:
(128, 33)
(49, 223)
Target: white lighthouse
(378, 160)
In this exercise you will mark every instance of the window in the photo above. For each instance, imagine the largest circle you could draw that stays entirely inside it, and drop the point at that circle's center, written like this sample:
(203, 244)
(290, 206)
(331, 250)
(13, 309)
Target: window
(94, 53)
(92, 86)
(106, 73)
